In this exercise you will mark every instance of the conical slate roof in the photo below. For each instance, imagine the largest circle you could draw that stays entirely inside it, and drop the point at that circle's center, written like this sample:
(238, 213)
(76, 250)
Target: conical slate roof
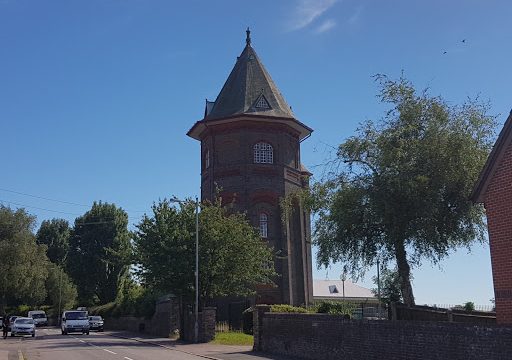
(249, 89)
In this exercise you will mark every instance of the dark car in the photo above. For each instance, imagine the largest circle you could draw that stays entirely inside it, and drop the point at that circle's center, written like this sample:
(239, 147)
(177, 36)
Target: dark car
(96, 323)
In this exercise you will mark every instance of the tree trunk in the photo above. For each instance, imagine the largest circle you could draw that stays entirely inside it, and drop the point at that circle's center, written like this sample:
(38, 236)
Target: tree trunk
(405, 273)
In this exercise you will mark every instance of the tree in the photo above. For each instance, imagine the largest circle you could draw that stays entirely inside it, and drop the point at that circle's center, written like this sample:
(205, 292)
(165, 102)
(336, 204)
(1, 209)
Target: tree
(60, 288)
(55, 235)
(22, 262)
(402, 191)
(232, 257)
(99, 252)
(389, 286)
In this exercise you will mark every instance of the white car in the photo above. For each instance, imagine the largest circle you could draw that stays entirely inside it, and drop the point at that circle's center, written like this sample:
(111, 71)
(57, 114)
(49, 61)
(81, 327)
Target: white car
(23, 326)
(75, 321)
(39, 316)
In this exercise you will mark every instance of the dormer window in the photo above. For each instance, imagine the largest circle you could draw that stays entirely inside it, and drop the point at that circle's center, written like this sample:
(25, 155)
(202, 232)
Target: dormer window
(333, 289)
(263, 153)
(263, 225)
(262, 103)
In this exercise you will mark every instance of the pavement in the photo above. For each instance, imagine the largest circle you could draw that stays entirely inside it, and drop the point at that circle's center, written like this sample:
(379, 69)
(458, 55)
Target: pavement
(205, 350)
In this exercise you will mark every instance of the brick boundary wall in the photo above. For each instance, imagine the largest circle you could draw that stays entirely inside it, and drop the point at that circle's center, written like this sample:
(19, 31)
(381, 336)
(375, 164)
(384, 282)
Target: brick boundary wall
(206, 325)
(164, 322)
(322, 336)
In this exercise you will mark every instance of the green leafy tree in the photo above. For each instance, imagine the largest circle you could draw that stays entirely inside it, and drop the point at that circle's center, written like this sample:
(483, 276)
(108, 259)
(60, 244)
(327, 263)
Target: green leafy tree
(389, 286)
(60, 288)
(232, 257)
(99, 253)
(22, 262)
(55, 235)
(400, 189)
(469, 306)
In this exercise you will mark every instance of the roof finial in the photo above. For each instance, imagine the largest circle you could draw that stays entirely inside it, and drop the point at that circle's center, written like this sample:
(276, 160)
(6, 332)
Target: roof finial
(248, 38)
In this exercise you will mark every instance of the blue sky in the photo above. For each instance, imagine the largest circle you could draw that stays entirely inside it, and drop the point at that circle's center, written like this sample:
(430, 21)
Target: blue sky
(96, 96)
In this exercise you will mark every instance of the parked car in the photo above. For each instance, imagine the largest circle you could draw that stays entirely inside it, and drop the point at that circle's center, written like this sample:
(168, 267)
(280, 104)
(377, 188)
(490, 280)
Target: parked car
(23, 326)
(74, 321)
(96, 323)
(39, 316)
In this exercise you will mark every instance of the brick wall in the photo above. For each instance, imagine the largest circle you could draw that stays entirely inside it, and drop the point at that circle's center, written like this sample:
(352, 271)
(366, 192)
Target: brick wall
(498, 204)
(322, 336)
(425, 313)
(163, 323)
(206, 325)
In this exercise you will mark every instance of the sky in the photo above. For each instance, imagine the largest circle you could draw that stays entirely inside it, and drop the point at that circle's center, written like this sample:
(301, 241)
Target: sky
(96, 96)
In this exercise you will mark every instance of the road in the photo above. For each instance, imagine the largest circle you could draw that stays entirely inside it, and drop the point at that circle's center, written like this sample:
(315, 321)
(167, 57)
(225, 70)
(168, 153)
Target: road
(49, 344)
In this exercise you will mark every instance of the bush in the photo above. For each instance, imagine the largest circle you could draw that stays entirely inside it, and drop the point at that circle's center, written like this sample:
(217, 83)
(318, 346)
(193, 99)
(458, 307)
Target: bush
(469, 306)
(141, 305)
(283, 308)
(105, 310)
(23, 310)
(335, 308)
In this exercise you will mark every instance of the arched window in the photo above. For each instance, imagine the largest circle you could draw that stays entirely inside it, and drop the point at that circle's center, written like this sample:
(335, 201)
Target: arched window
(207, 159)
(263, 153)
(263, 225)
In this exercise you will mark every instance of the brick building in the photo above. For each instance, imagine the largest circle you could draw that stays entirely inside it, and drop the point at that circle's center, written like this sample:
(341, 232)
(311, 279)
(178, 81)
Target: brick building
(250, 150)
(494, 190)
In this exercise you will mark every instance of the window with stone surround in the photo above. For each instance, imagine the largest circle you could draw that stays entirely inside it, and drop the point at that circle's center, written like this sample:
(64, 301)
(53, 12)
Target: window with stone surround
(264, 225)
(263, 153)
(207, 159)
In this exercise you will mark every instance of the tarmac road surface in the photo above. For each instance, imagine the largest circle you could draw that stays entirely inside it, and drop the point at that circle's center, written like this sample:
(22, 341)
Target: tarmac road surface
(49, 344)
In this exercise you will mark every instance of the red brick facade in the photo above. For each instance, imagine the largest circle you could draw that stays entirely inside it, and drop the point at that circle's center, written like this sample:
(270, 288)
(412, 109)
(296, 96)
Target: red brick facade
(498, 204)
(494, 190)
(257, 188)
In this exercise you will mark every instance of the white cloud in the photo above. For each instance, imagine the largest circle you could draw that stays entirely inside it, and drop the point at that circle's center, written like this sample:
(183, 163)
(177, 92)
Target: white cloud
(307, 11)
(326, 26)
(354, 18)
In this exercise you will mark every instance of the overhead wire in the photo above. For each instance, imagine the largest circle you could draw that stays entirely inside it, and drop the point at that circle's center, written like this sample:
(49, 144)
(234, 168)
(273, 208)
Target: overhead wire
(55, 200)
(64, 212)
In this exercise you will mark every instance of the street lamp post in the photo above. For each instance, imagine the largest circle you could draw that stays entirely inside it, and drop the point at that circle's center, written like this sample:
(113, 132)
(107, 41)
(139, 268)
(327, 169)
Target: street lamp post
(343, 278)
(378, 284)
(196, 272)
(196, 308)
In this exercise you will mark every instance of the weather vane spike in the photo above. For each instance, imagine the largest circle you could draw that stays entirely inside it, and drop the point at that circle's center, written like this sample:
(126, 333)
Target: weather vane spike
(248, 39)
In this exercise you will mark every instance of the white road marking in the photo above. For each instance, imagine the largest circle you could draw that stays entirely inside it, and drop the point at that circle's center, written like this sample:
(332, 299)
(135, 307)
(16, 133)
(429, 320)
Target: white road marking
(81, 341)
(20, 355)
(110, 351)
(127, 358)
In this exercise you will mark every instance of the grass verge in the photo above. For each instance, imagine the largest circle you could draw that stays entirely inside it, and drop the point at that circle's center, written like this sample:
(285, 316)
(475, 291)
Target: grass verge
(233, 338)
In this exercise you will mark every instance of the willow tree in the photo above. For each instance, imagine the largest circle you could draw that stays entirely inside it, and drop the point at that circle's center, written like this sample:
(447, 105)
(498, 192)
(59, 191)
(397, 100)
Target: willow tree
(400, 188)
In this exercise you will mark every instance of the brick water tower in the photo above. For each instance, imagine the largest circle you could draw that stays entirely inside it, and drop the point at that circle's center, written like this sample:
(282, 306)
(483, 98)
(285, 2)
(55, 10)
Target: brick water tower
(250, 150)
